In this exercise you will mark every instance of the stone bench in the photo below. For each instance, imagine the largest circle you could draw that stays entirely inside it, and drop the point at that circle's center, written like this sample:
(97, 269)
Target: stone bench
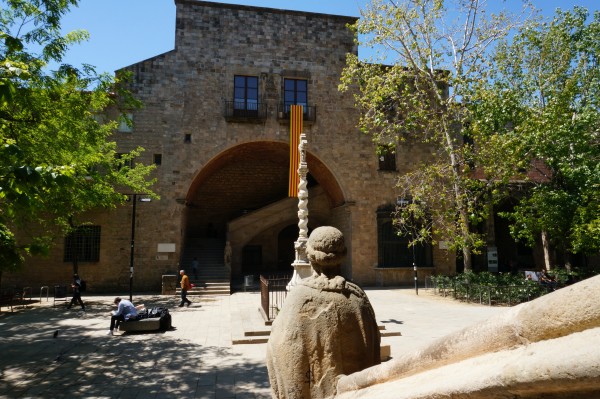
(150, 324)
(147, 324)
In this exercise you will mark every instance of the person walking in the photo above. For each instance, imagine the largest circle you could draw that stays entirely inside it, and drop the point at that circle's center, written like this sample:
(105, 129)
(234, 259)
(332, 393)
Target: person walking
(125, 311)
(185, 286)
(77, 288)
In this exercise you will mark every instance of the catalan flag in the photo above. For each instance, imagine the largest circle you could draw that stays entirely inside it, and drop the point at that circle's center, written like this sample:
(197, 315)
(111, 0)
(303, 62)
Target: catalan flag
(296, 115)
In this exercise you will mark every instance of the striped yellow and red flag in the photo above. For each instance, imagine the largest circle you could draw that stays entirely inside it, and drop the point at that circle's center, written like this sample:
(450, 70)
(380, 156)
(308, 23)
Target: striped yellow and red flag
(296, 114)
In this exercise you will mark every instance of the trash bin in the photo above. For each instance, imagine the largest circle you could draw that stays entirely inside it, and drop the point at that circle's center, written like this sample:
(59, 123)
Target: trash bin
(248, 281)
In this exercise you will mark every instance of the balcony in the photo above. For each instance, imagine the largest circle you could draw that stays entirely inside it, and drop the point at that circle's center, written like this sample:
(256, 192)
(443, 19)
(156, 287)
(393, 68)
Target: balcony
(236, 111)
(283, 113)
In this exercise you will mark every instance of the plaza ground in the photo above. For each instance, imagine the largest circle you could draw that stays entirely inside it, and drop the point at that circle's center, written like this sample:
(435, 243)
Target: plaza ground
(196, 358)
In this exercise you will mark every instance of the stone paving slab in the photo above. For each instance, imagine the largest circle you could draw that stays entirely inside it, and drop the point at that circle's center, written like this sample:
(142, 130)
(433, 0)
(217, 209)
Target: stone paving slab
(196, 359)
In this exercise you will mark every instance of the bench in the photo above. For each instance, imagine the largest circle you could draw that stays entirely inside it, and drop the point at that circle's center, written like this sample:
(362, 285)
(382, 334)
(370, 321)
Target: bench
(145, 324)
(150, 324)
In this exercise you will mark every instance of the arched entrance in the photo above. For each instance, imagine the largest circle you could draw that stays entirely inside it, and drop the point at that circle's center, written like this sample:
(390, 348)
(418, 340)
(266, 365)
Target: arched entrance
(285, 248)
(241, 196)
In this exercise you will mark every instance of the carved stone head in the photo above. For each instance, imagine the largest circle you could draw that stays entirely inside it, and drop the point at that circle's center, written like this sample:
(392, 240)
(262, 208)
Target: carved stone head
(326, 250)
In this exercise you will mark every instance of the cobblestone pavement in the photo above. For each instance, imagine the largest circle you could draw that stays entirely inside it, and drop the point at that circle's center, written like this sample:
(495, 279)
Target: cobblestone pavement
(196, 359)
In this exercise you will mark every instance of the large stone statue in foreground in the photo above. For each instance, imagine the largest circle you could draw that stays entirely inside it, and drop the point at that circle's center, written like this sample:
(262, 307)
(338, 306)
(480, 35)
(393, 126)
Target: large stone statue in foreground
(548, 348)
(326, 328)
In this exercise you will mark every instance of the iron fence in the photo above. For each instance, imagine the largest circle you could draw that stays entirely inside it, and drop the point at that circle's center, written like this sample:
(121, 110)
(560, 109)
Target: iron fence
(245, 111)
(309, 114)
(490, 294)
(273, 291)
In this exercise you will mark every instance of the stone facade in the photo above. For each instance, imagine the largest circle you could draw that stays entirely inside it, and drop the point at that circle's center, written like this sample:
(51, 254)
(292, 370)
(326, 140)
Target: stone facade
(218, 172)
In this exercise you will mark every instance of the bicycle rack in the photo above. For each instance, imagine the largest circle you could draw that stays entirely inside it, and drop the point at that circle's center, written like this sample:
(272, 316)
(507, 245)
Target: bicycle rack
(47, 289)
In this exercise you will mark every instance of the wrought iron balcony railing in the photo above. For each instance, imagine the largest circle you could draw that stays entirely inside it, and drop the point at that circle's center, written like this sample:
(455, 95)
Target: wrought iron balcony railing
(283, 113)
(241, 111)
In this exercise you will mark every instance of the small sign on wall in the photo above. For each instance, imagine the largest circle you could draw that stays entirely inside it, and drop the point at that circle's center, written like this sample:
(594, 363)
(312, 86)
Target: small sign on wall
(162, 257)
(492, 259)
(166, 247)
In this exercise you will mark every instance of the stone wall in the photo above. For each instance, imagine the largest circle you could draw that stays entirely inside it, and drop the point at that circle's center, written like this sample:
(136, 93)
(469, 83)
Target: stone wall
(214, 169)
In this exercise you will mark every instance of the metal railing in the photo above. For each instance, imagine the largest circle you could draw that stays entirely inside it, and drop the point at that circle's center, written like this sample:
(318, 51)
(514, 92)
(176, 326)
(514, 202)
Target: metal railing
(283, 113)
(273, 291)
(491, 294)
(244, 111)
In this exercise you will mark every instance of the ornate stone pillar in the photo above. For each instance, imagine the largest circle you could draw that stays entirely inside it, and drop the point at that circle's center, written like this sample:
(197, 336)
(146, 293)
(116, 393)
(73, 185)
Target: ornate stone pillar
(301, 265)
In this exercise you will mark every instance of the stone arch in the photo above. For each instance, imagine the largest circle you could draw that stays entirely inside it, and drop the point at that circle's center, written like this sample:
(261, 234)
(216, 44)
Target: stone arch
(278, 152)
(242, 192)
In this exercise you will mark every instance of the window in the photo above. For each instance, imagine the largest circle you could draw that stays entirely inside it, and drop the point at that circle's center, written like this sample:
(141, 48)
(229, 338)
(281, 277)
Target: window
(295, 92)
(187, 138)
(157, 159)
(126, 123)
(124, 160)
(387, 158)
(83, 245)
(99, 118)
(245, 95)
(393, 249)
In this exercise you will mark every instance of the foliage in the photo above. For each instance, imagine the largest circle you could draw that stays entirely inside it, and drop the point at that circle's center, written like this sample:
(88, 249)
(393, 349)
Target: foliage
(56, 160)
(504, 288)
(540, 103)
(490, 288)
(436, 49)
(566, 276)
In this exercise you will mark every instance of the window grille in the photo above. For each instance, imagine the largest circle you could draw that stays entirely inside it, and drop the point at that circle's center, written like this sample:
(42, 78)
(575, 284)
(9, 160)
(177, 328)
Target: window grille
(83, 245)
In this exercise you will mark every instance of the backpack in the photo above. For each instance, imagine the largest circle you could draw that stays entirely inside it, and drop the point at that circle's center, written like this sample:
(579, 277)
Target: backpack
(164, 315)
(82, 285)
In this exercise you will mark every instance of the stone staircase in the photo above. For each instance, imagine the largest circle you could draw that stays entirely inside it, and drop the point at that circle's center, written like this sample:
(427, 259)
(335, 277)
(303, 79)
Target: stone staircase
(213, 279)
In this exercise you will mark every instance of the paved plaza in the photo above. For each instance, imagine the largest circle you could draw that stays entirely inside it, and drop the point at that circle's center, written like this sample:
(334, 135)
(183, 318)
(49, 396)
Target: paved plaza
(195, 359)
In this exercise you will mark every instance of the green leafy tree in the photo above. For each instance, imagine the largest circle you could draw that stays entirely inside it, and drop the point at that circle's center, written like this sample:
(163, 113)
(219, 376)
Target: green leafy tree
(56, 157)
(431, 52)
(541, 102)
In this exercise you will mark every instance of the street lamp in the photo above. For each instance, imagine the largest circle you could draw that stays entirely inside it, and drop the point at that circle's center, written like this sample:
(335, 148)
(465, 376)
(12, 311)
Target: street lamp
(133, 198)
(414, 265)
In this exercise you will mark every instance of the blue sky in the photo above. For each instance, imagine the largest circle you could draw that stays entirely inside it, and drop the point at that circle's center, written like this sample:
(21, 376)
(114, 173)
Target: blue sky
(124, 32)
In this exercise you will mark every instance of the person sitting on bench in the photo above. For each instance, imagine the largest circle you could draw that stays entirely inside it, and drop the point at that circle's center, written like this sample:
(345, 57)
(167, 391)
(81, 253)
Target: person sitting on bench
(125, 311)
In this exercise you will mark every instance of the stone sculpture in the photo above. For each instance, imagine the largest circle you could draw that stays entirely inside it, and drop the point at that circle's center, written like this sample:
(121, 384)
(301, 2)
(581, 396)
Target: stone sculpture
(326, 328)
(546, 348)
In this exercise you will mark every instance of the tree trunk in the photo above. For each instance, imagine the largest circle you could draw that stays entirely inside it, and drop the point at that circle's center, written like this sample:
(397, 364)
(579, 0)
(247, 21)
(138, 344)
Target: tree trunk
(466, 250)
(546, 248)
(467, 262)
(458, 196)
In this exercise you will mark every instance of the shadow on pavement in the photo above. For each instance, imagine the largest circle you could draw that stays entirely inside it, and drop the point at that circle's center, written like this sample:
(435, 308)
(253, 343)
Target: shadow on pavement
(84, 362)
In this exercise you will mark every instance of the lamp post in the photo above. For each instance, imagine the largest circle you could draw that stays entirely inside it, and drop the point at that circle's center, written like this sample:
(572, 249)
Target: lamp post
(415, 266)
(133, 198)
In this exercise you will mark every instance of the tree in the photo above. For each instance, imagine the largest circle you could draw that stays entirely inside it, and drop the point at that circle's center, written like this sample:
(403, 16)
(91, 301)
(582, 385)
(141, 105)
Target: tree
(437, 51)
(56, 160)
(542, 103)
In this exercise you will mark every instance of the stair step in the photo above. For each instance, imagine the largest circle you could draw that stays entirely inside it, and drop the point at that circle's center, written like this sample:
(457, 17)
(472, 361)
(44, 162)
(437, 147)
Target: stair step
(211, 288)
(212, 277)
(250, 340)
(226, 290)
(209, 293)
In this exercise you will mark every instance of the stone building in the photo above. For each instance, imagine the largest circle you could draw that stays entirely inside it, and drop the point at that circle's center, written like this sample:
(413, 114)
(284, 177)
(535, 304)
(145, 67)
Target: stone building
(215, 121)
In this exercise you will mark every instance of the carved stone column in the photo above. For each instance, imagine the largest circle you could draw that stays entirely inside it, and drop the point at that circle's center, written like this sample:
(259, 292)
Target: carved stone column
(301, 265)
